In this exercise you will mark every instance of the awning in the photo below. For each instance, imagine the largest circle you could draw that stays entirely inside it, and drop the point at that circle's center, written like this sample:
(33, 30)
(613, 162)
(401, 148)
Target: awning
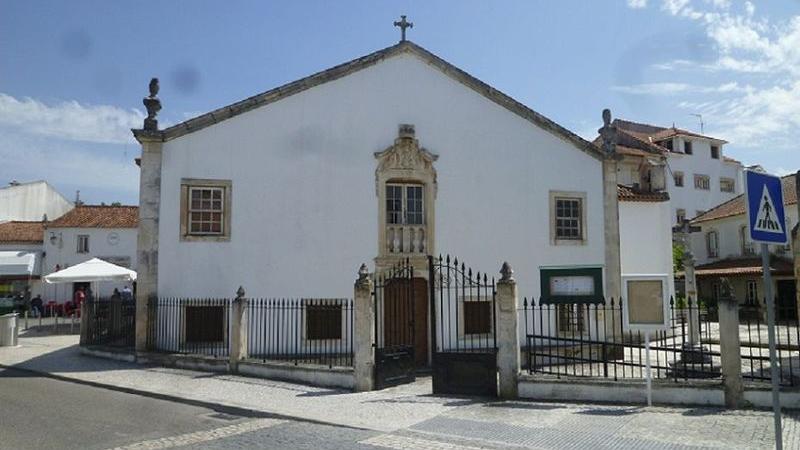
(19, 263)
(93, 270)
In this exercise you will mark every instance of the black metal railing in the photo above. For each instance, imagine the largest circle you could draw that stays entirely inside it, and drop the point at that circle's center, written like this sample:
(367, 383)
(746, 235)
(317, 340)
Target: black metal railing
(301, 331)
(110, 323)
(754, 342)
(590, 340)
(198, 326)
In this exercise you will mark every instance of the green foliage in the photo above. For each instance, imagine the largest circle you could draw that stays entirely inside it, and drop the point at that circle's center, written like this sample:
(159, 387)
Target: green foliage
(677, 257)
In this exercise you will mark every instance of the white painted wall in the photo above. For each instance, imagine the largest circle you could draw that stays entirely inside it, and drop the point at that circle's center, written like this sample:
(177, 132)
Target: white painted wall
(646, 240)
(700, 162)
(64, 253)
(31, 201)
(304, 212)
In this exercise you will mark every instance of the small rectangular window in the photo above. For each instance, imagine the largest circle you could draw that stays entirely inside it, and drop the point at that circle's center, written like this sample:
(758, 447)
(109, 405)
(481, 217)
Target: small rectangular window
(405, 204)
(712, 244)
(568, 218)
(687, 147)
(727, 185)
(678, 176)
(751, 297)
(680, 216)
(702, 182)
(205, 210)
(83, 243)
(394, 204)
(323, 321)
(715, 152)
(667, 144)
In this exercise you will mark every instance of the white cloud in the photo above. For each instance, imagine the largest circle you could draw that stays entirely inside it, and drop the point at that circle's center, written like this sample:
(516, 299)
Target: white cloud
(669, 88)
(108, 174)
(70, 120)
(637, 4)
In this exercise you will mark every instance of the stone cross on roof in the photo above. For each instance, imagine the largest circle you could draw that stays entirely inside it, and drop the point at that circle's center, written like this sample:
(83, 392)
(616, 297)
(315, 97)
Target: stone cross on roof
(403, 24)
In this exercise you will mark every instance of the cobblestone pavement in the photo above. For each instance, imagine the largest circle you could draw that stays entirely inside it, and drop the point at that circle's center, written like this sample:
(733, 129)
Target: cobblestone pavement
(403, 417)
(512, 425)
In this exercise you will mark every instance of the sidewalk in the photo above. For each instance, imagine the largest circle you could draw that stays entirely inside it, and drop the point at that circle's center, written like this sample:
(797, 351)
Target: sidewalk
(412, 412)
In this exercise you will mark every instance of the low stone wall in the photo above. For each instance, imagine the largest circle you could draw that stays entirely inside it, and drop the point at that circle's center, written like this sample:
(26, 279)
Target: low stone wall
(313, 375)
(336, 377)
(691, 393)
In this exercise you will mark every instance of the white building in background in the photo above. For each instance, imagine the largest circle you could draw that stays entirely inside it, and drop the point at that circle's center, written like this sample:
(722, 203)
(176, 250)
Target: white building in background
(32, 202)
(86, 232)
(722, 248)
(698, 174)
(20, 258)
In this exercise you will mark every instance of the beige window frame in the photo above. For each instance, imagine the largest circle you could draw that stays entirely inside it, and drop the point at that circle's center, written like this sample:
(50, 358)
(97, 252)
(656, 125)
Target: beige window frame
(712, 244)
(223, 187)
(580, 197)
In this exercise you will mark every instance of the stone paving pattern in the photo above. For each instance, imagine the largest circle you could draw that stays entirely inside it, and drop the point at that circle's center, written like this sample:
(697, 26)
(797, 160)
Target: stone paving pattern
(403, 417)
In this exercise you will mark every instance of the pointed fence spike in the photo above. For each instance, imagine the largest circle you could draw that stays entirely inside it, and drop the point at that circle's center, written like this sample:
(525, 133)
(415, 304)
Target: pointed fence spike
(612, 302)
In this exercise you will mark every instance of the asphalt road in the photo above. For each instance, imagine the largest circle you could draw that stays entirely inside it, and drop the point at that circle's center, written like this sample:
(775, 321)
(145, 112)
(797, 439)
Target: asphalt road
(45, 413)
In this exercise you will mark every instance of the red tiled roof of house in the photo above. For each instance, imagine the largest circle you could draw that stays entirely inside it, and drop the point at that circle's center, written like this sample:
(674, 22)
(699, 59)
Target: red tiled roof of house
(629, 194)
(743, 266)
(736, 206)
(20, 232)
(98, 216)
(647, 131)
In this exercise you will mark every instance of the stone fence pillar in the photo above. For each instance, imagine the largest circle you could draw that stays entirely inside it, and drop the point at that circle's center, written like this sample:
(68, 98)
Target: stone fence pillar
(364, 323)
(729, 346)
(507, 333)
(238, 349)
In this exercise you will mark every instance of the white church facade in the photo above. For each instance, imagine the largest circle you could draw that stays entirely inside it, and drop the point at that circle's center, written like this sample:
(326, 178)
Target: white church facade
(392, 156)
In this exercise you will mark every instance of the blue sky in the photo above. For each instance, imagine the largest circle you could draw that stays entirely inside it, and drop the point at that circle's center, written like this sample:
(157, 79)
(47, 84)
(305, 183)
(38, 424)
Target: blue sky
(73, 74)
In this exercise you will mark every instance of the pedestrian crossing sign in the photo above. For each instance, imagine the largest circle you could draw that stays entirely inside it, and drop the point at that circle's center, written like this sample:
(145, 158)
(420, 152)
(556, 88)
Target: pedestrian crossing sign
(765, 213)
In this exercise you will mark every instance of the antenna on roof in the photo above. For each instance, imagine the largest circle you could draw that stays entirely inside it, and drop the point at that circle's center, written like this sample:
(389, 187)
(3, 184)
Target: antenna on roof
(702, 125)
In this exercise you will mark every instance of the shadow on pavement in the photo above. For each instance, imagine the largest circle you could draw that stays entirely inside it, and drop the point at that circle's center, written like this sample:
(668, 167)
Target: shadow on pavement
(69, 360)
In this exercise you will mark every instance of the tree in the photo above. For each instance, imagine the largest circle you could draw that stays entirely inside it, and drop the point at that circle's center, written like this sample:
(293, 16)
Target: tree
(677, 257)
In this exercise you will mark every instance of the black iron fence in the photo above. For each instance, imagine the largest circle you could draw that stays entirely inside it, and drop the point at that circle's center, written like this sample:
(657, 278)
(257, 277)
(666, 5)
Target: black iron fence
(199, 326)
(110, 323)
(754, 344)
(590, 340)
(301, 330)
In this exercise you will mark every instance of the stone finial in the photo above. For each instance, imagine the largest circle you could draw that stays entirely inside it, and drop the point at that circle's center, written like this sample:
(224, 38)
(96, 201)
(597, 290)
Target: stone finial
(405, 130)
(608, 133)
(363, 273)
(725, 289)
(506, 272)
(153, 106)
(240, 292)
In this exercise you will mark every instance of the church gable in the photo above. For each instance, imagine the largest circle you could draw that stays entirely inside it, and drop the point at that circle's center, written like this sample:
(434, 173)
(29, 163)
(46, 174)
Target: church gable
(343, 70)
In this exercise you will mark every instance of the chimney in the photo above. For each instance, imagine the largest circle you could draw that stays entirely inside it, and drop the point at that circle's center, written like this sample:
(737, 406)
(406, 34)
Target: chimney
(78, 201)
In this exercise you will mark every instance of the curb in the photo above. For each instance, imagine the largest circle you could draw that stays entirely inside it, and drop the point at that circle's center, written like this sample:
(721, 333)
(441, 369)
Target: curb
(217, 407)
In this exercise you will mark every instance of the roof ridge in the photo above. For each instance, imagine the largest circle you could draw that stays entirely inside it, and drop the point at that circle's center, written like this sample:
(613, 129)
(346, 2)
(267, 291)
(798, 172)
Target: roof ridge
(344, 69)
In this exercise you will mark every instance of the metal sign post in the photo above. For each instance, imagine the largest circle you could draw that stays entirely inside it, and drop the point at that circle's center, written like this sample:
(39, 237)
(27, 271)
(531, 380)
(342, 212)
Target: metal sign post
(648, 372)
(767, 224)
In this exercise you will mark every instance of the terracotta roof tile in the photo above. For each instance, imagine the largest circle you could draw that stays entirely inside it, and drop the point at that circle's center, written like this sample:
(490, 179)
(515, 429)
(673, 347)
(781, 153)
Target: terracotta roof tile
(95, 216)
(743, 266)
(629, 194)
(736, 206)
(20, 232)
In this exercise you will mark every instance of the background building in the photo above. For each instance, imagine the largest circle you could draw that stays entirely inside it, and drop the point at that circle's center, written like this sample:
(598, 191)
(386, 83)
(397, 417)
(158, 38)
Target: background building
(32, 202)
(86, 232)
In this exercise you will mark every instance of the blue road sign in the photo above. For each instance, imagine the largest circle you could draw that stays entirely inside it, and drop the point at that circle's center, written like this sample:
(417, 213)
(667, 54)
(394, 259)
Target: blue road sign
(765, 215)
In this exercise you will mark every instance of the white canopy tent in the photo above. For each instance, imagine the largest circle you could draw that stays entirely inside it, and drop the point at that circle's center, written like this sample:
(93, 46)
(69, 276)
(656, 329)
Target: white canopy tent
(94, 270)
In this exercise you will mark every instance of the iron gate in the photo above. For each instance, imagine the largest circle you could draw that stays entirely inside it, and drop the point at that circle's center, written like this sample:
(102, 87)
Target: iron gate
(394, 326)
(465, 344)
